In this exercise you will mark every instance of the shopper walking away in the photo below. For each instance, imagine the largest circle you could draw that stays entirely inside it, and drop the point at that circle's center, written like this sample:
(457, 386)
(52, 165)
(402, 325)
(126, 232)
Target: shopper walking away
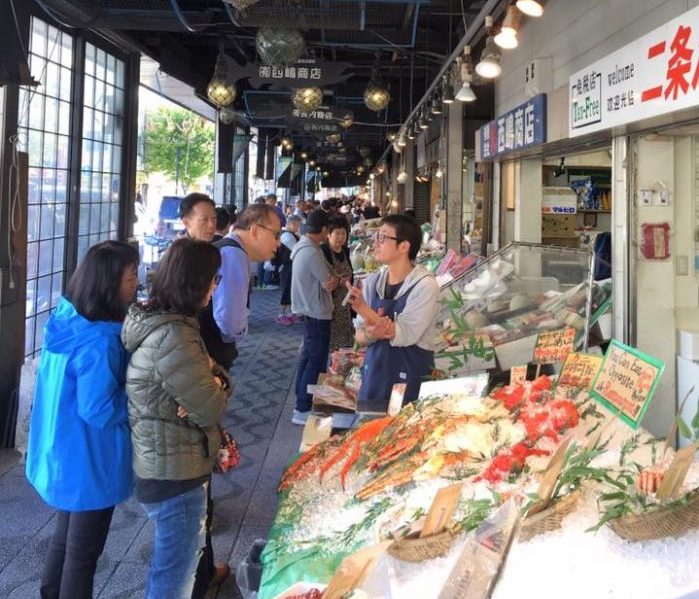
(255, 237)
(289, 238)
(177, 395)
(312, 283)
(272, 201)
(397, 309)
(223, 222)
(336, 253)
(198, 215)
(79, 454)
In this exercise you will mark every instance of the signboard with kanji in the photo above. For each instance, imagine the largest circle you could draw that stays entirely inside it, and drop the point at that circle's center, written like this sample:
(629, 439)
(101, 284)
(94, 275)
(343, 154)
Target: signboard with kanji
(654, 75)
(579, 370)
(554, 346)
(626, 381)
(517, 129)
(304, 73)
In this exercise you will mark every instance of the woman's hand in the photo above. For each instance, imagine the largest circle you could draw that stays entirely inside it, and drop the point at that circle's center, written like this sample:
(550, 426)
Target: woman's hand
(182, 413)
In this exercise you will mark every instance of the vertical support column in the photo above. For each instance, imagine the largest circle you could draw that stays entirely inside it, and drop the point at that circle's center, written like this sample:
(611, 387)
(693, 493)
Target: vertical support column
(409, 187)
(455, 149)
(623, 268)
(528, 198)
(127, 200)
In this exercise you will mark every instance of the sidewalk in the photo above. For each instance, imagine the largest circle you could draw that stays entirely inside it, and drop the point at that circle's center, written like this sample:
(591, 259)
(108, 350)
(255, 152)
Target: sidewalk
(259, 417)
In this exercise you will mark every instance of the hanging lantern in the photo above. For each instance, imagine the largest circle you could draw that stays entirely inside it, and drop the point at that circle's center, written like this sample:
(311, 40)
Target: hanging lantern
(220, 90)
(376, 96)
(226, 116)
(307, 99)
(286, 143)
(333, 138)
(279, 47)
(360, 169)
(346, 121)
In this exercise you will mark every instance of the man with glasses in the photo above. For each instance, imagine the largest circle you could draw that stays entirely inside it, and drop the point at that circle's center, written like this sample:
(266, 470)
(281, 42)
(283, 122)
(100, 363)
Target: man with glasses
(397, 309)
(255, 237)
(312, 283)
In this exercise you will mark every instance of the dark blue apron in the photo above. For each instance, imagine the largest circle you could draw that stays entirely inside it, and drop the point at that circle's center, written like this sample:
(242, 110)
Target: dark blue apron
(385, 364)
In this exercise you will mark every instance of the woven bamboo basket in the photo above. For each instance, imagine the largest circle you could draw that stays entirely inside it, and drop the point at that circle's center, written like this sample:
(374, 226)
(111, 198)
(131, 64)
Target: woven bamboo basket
(549, 519)
(660, 523)
(421, 549)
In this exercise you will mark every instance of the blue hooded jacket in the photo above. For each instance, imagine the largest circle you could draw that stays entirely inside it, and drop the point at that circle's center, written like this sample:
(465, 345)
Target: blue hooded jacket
(79, 453)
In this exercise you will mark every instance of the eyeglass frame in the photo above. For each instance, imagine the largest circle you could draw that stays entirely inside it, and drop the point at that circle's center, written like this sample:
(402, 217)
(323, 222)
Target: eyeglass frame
(382, 237)
(277, 234)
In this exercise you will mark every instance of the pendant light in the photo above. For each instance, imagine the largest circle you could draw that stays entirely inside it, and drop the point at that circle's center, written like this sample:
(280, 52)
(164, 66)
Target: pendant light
(531, 8)
(376, 95)
(507, 38)
(489, 65)
(220, 90)
(423, 123)
(466, 94)
(436, 105)
(307, 99)
(447, 90)
(279, 47)
(411, 132)
(400, 142)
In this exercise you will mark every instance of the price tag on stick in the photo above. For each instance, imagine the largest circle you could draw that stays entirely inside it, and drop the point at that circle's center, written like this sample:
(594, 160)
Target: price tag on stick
(518, 374)
(580, 370)
(353, 571)
(554, 346)
(442, 510)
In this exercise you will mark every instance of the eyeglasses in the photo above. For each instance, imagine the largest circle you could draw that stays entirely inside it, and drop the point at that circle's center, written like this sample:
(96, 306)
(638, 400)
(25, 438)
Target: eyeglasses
(382, 237)
(217, 278)
(277, 234)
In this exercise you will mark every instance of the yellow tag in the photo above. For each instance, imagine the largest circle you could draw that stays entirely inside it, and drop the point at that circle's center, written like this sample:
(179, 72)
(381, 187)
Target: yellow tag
(549, 478)
(353, 570)
(442, 510)
(674, 476)
(518, 374)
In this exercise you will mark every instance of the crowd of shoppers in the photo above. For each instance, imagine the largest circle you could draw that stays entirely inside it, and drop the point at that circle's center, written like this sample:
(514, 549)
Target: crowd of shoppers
(129, 396)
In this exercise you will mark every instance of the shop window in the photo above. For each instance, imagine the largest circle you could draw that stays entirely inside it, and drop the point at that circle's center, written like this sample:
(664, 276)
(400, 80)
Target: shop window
(102, 143)
(43, 129)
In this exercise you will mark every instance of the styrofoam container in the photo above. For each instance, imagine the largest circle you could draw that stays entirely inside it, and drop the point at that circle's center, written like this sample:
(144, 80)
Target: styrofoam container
(689, 345)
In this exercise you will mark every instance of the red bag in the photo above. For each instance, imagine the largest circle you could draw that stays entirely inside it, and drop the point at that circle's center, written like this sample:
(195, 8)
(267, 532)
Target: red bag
(228, 453)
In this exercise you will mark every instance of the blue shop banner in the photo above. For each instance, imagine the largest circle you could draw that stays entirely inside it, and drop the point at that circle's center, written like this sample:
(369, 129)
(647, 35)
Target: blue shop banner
(520, 128)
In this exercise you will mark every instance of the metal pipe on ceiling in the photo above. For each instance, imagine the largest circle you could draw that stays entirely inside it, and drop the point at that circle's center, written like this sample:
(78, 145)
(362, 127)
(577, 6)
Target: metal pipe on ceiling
(470, 36)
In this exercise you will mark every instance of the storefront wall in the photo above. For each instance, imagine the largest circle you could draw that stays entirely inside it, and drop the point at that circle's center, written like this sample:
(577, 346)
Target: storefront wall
(653, 299)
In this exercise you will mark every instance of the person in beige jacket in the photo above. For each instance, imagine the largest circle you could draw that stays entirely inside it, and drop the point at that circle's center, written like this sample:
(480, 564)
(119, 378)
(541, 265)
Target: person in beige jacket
(177, 395)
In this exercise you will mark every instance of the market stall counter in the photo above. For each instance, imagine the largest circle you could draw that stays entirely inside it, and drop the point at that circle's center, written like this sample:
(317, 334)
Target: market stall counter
(570, 457)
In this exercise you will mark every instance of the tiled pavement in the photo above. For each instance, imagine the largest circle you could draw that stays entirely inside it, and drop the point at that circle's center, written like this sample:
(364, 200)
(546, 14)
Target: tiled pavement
(245, 500)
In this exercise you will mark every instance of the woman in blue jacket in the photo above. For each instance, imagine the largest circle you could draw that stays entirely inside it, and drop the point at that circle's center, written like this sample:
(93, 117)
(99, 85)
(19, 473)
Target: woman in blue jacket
(79, 454)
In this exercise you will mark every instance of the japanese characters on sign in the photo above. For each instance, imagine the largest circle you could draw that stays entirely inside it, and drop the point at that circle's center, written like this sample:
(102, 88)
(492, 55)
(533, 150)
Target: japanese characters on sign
(565, 202)
(654, 75)
(626, 381)
(554, 346)
(520, 128)
(579, 370)
(302, 73)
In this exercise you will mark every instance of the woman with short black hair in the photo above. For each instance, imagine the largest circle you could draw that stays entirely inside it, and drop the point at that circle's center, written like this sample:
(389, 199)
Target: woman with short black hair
(337, 254)
(79, 454)
(177, 395)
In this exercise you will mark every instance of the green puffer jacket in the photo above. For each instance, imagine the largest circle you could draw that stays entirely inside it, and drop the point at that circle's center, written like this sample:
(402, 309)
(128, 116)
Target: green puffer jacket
(169, 367)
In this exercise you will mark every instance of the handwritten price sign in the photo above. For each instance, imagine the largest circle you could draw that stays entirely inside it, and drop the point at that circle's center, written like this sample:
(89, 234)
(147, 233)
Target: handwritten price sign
(554, 346)
(579, 370)
(627, 381)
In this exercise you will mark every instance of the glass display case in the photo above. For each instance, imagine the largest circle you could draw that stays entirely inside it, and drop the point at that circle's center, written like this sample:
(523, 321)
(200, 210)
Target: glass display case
(492, 314)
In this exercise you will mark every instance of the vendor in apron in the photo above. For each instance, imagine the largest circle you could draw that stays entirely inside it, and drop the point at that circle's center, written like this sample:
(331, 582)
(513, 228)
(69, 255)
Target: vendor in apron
(396, 312)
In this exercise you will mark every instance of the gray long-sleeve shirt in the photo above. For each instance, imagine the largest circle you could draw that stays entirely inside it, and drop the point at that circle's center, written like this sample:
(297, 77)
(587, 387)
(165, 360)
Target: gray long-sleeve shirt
(310, 271)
